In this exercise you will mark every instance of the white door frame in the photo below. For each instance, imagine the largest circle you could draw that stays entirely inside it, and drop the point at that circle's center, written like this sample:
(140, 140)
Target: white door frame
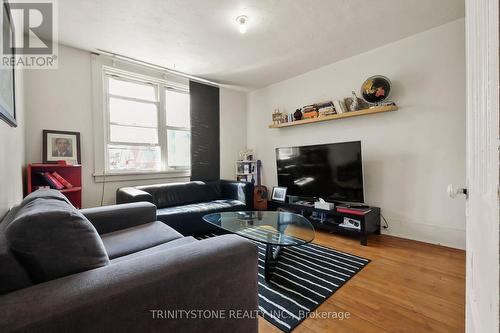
(482, 230)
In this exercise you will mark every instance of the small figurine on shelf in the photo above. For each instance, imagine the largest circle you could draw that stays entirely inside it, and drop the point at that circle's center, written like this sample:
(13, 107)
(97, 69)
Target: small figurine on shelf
(298, 114)
(277, 117)
(354, 105)
(284, 118)
(246, 155)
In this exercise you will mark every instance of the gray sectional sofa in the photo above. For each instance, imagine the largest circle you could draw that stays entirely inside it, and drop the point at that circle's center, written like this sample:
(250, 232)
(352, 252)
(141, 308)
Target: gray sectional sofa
(117, 269)
(182, 205)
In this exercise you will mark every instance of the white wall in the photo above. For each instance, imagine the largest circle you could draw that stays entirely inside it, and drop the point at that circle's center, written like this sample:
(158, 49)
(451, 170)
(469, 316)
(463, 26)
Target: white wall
(409, 155)
(12, 154)
(62, 100)
(232, 130)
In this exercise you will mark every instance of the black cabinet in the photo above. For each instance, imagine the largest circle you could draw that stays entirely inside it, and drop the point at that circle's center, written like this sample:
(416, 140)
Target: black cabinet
(331, 220)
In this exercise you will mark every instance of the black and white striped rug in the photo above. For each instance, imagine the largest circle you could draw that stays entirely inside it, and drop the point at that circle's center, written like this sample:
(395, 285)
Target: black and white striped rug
(304, 277)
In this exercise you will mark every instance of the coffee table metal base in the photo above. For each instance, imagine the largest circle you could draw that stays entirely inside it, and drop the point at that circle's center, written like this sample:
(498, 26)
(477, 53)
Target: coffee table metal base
(271, 259)
(275, 229)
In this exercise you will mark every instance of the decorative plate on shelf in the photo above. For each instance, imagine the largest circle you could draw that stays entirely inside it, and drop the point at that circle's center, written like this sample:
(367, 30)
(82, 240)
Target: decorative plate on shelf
(376, 89)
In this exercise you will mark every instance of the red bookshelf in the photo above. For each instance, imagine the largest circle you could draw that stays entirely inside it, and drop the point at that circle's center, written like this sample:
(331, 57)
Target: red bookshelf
(72, 173)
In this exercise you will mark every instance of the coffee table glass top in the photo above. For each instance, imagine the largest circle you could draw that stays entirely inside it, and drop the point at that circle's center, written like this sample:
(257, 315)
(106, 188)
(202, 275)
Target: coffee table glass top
(274, 228)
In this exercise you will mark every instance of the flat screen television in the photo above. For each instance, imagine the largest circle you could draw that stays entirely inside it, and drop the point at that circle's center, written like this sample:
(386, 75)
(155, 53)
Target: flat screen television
(333, 172)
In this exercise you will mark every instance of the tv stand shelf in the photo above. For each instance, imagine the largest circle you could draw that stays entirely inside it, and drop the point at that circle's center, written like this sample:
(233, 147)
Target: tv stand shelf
(329, 220)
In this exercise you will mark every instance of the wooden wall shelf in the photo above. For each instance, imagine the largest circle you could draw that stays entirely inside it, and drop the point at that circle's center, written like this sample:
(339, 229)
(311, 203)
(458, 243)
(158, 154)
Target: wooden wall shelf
(377, 109)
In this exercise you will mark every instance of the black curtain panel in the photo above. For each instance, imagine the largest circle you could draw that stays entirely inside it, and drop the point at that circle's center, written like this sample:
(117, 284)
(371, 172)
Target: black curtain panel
(205, 143)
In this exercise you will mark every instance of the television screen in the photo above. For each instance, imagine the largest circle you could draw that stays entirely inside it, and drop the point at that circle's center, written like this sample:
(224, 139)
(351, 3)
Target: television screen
(333, 172)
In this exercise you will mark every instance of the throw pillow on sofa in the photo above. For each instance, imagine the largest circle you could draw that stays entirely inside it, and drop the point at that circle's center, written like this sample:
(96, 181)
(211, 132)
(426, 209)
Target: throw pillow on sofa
(51, 239)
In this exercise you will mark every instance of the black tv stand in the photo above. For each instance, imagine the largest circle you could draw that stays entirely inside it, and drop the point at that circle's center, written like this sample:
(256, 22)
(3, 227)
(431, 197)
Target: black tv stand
(331, 220)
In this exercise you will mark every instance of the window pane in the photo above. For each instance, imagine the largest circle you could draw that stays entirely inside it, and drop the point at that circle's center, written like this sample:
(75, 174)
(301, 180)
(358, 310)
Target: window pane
(134, 158)
(131, 89)
(179, 148)
(132, 113)
(131, 134)
(177, 105)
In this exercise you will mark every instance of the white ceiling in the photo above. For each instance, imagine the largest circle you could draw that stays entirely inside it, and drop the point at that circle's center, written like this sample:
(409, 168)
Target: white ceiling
(285, 37)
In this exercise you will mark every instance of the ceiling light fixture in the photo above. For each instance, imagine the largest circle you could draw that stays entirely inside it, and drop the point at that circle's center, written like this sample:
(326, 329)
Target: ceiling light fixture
(242, 21)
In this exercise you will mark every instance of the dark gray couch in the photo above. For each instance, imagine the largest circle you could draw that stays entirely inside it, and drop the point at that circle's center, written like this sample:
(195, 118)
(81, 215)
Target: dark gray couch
(114, 269)
(182, 205)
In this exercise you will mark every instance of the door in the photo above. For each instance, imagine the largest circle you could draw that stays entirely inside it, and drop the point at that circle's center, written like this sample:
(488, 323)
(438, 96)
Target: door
(482, 230)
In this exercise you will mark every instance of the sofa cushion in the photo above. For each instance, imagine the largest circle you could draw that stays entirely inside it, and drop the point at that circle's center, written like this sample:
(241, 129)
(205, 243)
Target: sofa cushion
(201, 207)
(162, 247)
(51, 239)
(13, 276)
(188, 219)
(176, 194)
(107, 219)
(122, 242)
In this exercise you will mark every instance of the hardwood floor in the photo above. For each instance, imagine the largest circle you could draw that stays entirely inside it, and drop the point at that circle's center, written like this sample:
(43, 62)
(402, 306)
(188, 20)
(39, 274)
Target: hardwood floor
(408, 287)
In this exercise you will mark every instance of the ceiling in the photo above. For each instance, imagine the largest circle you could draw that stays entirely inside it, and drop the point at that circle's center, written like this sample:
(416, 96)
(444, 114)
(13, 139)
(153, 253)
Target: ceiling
(285, 37)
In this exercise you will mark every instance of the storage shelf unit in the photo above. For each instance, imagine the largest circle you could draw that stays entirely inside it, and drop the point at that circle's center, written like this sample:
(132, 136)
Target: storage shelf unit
(72, 173)
(246, 171)
(377, 109)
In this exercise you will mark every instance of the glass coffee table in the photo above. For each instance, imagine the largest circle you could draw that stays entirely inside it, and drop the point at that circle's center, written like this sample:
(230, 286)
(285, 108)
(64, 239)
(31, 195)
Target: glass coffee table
(274, 229)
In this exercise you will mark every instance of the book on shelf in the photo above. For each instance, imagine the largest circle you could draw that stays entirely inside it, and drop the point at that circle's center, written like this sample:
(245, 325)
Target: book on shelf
(343, 106)
(62, 180)
(309, 108)
(325, 108)
(310, 114)
(338, 107)
(326, 111)
(51, 180)
(245, 178)
(323, 104)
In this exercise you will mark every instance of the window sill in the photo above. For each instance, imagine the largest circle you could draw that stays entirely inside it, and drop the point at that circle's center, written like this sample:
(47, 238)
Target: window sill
(127, 176)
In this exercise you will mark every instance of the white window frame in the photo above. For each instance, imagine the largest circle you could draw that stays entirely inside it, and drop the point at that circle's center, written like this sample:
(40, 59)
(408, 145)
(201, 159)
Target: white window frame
(160, 91)
(163, 92)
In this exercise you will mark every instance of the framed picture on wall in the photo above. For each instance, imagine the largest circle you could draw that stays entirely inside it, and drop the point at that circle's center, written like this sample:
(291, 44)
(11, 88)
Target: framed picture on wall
(7, 81)
(61, 146)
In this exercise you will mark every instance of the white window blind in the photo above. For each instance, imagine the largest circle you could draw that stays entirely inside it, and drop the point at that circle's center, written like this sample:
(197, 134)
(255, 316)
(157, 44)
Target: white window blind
(148, 127)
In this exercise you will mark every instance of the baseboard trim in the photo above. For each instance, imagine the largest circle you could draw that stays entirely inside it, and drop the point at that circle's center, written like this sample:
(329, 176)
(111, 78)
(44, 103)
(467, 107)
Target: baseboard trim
(427, 233)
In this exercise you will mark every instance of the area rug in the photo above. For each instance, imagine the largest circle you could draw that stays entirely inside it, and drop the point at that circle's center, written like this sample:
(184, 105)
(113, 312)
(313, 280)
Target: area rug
(304, 277)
